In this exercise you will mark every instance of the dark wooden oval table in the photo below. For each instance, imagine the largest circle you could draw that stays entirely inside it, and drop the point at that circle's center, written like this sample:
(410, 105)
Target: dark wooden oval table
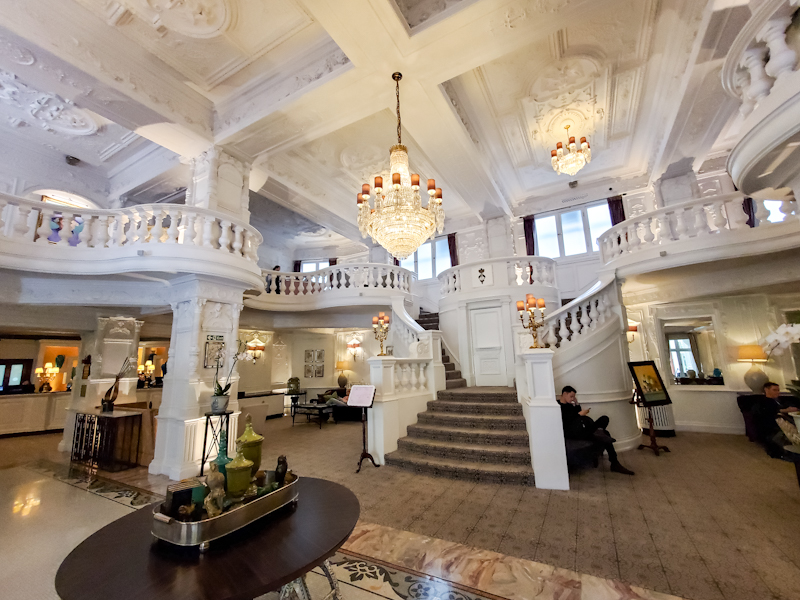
(123, 561)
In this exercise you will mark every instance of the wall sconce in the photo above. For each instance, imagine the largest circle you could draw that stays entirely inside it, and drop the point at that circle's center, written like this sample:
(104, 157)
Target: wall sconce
(353, 346)
(255, 348)
(632, 329)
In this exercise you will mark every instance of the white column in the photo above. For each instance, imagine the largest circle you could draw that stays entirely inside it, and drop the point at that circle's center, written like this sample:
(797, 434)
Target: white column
(543, 420)
(203, 313)
(220, 182)
(107, 347)
(383, 422)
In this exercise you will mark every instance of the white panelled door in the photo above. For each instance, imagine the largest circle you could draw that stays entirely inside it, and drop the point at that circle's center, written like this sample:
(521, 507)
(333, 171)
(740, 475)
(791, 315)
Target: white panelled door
(488, 355)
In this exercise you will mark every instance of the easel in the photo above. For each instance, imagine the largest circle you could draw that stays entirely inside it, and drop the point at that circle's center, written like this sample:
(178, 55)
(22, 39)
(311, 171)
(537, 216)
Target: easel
(363, 396)
(654, 446)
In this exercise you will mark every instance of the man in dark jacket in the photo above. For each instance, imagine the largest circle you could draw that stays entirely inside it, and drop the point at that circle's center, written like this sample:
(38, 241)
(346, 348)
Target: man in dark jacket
(578, 425)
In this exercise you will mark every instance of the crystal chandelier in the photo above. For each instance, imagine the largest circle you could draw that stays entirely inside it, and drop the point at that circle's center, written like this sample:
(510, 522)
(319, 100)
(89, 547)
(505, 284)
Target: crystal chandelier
(573, 159)
(399, 222)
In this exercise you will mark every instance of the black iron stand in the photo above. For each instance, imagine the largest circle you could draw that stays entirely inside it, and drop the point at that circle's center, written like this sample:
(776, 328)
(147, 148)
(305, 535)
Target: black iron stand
(223, 421)
(653, 445)
(364, 453)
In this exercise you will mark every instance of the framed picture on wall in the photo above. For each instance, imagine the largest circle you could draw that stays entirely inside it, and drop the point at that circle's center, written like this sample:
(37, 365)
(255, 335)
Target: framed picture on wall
(319, 356)
(215, 351)
(308, 372)
(309, 356)
(649, 384)
(319, 371)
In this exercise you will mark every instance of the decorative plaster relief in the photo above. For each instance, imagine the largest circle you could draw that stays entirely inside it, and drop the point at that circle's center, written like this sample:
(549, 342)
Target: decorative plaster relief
(18, 54)
(192, 18)
(450, 91)
(473, 245)
(217, 317)
(48, 111)
(416, 12)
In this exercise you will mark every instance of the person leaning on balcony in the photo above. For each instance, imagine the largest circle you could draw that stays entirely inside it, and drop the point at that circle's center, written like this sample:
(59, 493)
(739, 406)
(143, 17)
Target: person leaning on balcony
(766, 411)
(578, 425)
(277, 289)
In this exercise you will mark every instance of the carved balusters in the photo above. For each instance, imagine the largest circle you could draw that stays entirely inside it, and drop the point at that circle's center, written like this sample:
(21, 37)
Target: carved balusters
(720, 222)
(414, 379)
(65, 233)
(172, 231)
(188, 222)
(623, 241)
(44, 230)
(423, 377)
(782, 59)
(208, 230)
(700, 220)
(563, 331)
(118, 231)
(681, 227)
(21, 227)
(102, 235)
(142, 231)
(737, 217)
(225, 236)
(85, 236)
(633, 236)
(549, 334)
(649, 236)
(760, 82)
(585, 319)
(157, 231)
(238, 239)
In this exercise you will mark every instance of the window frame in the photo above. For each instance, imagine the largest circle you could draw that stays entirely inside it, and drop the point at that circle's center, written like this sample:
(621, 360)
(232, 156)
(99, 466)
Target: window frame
(316, 262)
(583, 208)
(434, 275)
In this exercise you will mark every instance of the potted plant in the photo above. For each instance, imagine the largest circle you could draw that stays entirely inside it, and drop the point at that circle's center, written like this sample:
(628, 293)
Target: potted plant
(221, 397)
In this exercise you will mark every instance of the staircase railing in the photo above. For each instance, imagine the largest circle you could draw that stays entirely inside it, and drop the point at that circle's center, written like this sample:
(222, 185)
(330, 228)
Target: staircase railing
(142, 227)
(498, 272)
(338, 278)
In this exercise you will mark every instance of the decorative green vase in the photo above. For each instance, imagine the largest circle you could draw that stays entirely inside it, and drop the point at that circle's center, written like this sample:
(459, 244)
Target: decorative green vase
(250, 443)
(222, 459)
(238, 474)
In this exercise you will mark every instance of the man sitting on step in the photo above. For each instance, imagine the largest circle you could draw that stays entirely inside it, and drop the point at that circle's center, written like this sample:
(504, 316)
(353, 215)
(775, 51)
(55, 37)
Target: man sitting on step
(578, 425)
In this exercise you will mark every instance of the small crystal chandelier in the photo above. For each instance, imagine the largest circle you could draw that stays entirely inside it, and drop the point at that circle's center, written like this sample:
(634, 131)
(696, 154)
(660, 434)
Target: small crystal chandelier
(399, 222)
(574, 159)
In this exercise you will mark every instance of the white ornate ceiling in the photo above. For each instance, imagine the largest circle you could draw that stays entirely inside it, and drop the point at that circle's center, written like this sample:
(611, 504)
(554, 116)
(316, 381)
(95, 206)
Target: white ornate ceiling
(302, 89)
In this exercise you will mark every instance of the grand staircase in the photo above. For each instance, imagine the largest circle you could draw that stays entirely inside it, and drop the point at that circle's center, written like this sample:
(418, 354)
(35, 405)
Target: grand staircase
(453, 378)
(476, 434)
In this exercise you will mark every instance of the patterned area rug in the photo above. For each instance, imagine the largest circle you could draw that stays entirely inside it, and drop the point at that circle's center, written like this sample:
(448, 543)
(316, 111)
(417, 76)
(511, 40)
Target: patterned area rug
(86, 479)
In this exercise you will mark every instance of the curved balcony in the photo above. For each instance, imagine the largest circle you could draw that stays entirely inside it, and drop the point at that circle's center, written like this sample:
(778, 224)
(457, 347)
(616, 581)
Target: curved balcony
(336, 286)
(760, 70)
(698, 230)
(519, 275)
(166, 238)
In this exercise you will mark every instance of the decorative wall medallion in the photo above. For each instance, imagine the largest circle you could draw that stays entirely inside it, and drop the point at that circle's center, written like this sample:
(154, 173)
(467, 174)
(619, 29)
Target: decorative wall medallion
(48, 111)
(193, 18)
(481, 275)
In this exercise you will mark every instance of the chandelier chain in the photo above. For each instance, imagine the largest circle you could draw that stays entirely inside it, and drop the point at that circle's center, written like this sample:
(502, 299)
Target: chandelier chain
(397, 92)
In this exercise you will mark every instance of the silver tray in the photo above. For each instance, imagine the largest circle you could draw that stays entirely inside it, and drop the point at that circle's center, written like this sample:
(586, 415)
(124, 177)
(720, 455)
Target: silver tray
(200, 533)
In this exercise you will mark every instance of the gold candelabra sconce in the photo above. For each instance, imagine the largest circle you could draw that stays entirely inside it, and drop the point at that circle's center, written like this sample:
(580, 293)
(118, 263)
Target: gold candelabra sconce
(529, 306)
(380, 326)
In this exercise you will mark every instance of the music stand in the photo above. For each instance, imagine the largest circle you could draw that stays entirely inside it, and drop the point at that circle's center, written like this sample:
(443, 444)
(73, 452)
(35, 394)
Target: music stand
(654, 446)
(363, 396)
(649, 391)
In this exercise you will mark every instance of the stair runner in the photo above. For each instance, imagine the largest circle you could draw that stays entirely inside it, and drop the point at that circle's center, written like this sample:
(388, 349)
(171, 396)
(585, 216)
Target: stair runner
(453, 379)
(477, 434)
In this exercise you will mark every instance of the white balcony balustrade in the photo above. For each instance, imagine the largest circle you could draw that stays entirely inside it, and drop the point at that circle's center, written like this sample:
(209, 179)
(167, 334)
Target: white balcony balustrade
(514, 271)
(47, 237)
(339, 285)
(704, 223)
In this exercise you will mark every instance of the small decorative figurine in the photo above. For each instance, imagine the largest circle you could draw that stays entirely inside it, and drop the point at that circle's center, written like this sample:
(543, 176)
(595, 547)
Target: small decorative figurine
(222, 458)
(261, 478)
(185, 512)
(216, 483)
(280, 470)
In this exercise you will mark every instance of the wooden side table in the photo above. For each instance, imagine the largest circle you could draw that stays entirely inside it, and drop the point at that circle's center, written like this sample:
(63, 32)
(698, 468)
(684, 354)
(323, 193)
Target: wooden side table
(107, 440)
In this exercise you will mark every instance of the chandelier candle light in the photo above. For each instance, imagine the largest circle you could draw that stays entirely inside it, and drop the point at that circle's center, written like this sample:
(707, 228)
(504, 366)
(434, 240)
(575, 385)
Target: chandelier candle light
(573, 159)
(530, 305)
(380, 326)
(399, 222)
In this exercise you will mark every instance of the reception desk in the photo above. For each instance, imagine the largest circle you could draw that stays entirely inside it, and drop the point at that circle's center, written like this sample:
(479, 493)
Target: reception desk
(27, 413)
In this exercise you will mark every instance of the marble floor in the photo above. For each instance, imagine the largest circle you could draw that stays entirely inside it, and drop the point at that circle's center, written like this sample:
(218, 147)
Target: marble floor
(714, 519)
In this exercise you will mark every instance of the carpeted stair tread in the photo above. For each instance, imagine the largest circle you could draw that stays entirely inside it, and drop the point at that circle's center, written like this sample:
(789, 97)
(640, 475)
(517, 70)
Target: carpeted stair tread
(483, 453)
(473, 421)
(473, 471)
(472, 408)
(479, 394)
(469, 435)
(455, 383)
(452, 374)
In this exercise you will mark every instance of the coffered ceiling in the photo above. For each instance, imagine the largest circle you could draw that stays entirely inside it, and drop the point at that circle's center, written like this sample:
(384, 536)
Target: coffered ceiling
(302, 89)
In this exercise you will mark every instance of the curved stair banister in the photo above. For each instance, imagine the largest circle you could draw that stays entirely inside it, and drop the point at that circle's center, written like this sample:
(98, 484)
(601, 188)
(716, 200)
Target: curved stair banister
(46, 237)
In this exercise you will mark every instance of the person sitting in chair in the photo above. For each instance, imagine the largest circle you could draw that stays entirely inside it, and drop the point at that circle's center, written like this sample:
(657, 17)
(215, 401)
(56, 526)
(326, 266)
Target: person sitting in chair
(578, 425)
(766, 412)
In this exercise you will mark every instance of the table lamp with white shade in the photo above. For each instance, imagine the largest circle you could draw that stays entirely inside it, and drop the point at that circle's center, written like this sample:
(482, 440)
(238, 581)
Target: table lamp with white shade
(755, 378)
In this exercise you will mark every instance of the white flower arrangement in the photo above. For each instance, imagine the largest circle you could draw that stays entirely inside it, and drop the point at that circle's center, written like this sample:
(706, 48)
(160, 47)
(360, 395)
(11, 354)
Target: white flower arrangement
(781, 339)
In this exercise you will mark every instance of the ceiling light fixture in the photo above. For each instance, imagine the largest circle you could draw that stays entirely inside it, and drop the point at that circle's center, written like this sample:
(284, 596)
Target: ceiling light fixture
(573, 159)
(399, 222)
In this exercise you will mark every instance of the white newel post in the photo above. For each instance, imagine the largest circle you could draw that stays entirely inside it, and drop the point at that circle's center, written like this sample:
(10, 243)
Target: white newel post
(543, 419)
(114, 340)
(203, 313)
(383, 421)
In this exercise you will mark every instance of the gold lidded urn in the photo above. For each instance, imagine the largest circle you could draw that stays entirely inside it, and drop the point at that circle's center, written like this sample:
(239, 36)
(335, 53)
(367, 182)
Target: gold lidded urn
(250, 443)
(238, 474)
